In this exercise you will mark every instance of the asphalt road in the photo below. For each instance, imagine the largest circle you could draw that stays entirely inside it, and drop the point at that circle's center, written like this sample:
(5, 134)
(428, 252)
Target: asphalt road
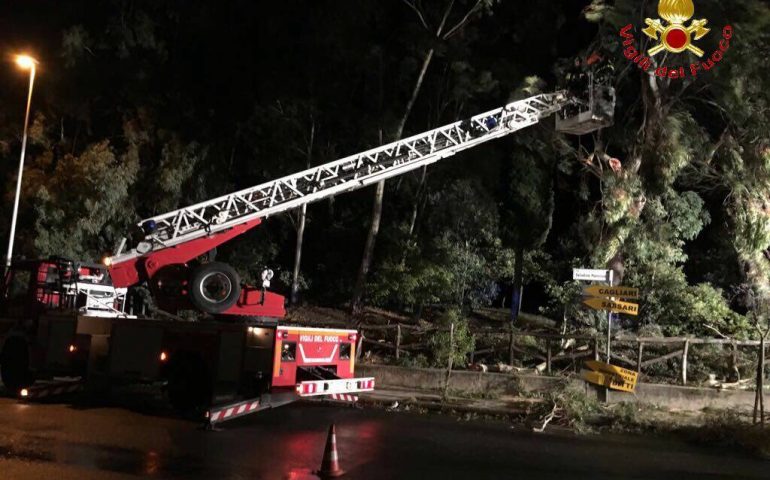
(62, 442)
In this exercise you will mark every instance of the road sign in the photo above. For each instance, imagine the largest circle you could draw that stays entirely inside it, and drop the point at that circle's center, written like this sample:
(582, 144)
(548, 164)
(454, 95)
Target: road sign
(607, 291)
(589, 275)
(611, 376)
(612, 306)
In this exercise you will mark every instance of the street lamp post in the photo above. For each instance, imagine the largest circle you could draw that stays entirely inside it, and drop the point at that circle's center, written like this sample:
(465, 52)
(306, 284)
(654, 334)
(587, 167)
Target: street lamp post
(27, 63)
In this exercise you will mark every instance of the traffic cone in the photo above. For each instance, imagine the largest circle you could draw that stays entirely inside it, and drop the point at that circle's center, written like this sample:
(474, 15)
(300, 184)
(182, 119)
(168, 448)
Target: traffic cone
(330, 465)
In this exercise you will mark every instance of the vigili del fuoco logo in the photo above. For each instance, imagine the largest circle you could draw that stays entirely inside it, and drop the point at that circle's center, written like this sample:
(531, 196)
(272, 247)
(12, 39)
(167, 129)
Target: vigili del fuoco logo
(673, 33)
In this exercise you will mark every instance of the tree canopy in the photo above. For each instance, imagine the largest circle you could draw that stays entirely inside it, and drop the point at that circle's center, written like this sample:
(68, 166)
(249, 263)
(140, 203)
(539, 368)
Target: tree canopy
(141, 107)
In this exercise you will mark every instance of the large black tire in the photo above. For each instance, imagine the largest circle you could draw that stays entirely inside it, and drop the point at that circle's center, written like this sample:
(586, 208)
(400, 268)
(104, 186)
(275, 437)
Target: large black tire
(14, 365)
(189, 384)
(214, 287)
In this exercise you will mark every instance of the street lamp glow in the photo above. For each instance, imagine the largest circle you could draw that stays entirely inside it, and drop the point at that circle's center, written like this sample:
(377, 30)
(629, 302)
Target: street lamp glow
(25, 61)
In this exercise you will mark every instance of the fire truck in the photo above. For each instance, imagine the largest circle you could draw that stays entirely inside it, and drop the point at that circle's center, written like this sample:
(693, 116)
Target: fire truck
(79, 321)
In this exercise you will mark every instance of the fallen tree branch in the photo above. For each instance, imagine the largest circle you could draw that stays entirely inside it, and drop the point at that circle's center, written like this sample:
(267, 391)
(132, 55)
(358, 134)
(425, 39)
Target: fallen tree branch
(547, 419)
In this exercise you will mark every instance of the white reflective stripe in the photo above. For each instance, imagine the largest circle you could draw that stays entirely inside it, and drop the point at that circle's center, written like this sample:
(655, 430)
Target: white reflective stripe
(328, 359)
(337, 386)
(228, 412)
(344, 397)
(241, 409)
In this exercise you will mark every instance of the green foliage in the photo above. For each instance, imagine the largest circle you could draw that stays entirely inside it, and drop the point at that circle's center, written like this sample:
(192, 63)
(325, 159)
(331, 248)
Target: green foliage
(178, 163)
(462, 340)
(145, 107)
(457, 263)
(578, 407)
(409, 360)
(681, 309)
(76, 209)
(528, 201)
(416, 282)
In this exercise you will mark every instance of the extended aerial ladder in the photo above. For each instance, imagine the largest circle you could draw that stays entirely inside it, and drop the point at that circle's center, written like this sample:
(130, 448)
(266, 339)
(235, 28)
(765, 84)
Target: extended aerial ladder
(167, 256)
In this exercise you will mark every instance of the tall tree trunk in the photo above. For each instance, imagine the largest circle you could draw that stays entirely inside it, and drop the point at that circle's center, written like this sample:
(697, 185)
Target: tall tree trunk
(759, 399)
(518, 283)
(518, 274)
(413, 216)
(298, 255)
(366, 260)
(294, 297)
(374, 226)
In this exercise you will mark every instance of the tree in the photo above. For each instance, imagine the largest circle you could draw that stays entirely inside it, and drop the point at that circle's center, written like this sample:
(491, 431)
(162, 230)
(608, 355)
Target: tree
(528, 199)
(671, 146)
(440, 33)
(301, 219)
(759, 305)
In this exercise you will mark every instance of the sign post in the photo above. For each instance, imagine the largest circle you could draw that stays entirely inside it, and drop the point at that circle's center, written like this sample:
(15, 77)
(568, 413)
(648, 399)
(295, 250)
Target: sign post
(610, 298)
(609, 320)
(606, 296)
(593, 275)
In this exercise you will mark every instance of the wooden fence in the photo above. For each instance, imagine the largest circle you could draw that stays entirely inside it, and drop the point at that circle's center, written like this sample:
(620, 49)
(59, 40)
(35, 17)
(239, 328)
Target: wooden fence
(391, 337)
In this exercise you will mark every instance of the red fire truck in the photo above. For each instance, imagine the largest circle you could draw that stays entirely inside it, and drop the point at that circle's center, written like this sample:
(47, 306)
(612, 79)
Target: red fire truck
(58, 321)
(62, 318)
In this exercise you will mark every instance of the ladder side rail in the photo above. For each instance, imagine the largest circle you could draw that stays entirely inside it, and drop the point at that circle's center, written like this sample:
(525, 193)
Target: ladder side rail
(538, 100)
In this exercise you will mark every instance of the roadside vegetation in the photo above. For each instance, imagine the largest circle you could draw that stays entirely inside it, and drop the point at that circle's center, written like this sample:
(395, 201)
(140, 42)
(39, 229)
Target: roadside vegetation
(570, 407)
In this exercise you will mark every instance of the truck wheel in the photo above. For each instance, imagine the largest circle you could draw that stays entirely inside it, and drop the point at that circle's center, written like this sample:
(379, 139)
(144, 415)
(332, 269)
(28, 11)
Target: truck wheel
(14, 365)
(189, 387)
(214, 287)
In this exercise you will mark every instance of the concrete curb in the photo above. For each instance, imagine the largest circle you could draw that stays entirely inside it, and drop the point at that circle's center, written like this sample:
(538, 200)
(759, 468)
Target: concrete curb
(433, 402)
(479, 383)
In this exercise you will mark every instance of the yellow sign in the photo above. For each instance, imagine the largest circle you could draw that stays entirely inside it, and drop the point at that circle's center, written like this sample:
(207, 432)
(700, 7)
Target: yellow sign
(610, 376)
(607, 291)
(612, 306)
(676, 37)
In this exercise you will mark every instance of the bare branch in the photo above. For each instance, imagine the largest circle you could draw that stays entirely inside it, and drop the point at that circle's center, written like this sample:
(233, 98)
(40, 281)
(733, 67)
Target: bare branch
(418, 12)
(461, 23)
(716, 330)
(547, 419)
(444, 19)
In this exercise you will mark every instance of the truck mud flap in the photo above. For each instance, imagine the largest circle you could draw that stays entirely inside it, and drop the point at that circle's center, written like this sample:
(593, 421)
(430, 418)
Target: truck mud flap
(51, 389)
(342, 397)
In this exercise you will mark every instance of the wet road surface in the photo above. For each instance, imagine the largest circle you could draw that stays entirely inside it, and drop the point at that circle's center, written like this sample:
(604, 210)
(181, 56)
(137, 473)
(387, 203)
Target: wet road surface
(65, 442)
